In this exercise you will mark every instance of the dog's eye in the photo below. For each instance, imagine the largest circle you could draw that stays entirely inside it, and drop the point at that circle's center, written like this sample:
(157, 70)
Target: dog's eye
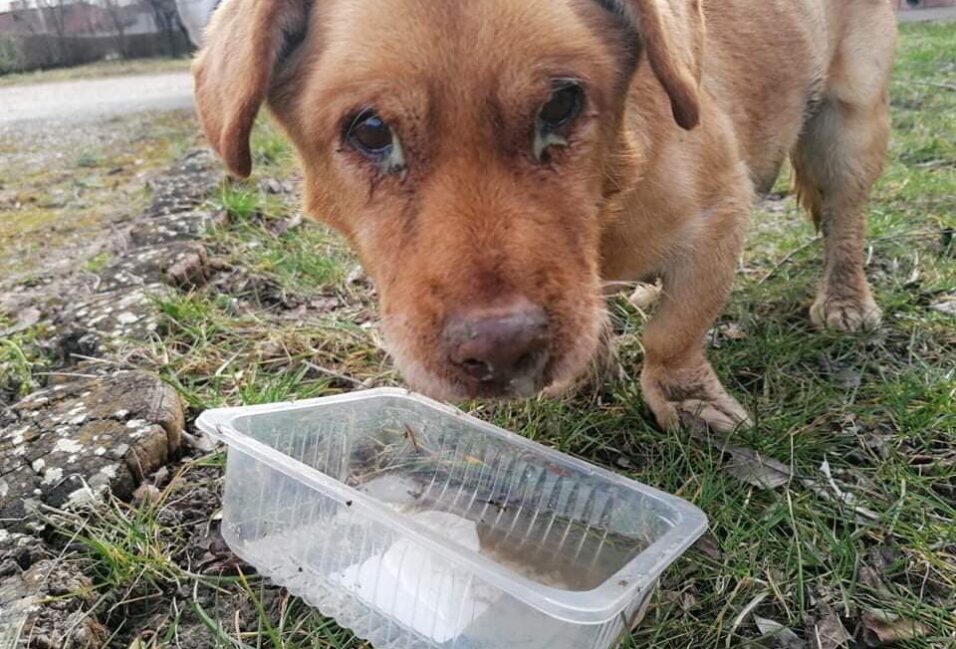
(563, 106)
(371, 136)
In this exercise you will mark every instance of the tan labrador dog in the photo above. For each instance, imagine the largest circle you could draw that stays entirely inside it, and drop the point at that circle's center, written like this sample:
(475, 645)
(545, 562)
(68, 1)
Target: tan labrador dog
(495, 162)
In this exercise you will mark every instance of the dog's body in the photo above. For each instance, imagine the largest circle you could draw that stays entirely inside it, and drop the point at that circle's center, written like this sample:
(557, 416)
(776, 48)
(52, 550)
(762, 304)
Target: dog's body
(489, 224)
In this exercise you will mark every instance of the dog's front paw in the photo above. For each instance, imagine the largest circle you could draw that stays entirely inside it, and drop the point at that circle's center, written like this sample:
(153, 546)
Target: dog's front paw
(691, 398)
(847, 314)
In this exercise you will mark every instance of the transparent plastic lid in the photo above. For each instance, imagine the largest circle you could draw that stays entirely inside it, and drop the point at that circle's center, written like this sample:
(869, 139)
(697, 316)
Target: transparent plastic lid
(573, 540)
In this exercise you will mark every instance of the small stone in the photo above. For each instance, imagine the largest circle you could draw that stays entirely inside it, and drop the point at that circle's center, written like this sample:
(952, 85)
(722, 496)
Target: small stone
(127, 318)
(52, 476)
(147, 493)
(68, 446)
(188, 268)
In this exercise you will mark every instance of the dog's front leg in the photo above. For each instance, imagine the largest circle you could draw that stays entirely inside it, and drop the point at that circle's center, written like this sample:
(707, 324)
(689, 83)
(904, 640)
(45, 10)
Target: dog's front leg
(679, 385)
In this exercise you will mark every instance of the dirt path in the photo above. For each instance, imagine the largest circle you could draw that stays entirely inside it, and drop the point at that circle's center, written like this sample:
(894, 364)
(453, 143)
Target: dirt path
(92, 99)
(928, 15)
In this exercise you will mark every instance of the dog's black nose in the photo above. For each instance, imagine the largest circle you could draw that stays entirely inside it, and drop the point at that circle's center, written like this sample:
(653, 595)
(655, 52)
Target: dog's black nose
(504, 347)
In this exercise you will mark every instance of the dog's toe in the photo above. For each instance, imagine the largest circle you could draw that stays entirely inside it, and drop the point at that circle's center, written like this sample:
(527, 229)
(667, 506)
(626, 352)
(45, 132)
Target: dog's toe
(723, 415)
(698, 405)
(846, 314)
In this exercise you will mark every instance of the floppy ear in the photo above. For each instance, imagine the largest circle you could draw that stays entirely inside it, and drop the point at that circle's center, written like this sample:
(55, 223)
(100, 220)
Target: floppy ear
(673, 35)
(245, 41)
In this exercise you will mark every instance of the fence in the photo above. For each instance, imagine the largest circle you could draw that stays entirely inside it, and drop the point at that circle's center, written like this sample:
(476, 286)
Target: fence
(24, 52)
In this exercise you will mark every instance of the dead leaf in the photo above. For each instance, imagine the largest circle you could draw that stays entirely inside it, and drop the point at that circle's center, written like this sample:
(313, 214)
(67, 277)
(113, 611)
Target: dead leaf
(782, 637)
(825, 630)
(137, 643)
(199, 442)
(217, 558)
(732, 331)
(279, 227)
(947, 305)
(750, 466)
(841, 495)
(728, 331)
(324, 304)
(273, 186)
(356, 276)
(147, 493)
(645, 296)
(882, 627)
(25, 319)
(877, 442)
(870, 578)
(684, 599)
(707, 545)
(753, 468)
(160, 476)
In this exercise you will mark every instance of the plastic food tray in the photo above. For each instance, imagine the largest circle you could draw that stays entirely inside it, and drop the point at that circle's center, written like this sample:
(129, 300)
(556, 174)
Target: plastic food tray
(415, 525)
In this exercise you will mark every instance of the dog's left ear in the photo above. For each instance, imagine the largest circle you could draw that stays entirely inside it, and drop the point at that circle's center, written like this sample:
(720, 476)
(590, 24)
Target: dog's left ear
(245, 41)
(673, 36)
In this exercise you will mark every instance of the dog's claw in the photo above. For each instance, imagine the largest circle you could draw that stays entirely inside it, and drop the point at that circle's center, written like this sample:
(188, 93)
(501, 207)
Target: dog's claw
(846, 314)
(697, 405)
(723, 416)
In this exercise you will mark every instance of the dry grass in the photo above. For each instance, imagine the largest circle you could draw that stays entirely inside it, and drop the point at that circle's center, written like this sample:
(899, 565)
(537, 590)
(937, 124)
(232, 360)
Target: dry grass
(96, 71)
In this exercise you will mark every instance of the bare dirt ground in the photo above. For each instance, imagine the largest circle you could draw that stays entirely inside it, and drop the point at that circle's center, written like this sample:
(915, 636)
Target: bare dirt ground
(66, 190)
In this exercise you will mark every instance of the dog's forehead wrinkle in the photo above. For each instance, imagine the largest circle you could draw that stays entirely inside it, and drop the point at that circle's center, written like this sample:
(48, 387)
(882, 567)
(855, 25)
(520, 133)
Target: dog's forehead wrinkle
(453, 36)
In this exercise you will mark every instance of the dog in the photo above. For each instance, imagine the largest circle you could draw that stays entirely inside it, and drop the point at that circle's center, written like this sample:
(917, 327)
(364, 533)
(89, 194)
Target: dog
(496, 162)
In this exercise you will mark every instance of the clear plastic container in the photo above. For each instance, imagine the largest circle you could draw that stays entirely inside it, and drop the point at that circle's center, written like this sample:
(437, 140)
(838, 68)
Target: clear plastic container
(415, 525)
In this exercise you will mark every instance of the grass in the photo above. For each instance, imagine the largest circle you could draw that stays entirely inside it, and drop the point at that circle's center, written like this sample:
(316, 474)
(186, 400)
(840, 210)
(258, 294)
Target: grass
(290, 321)
(22, 359)
(96, 70)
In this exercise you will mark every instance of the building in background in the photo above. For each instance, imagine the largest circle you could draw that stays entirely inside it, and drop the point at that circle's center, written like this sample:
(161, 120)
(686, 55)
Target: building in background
(195, 16)
(54, 33)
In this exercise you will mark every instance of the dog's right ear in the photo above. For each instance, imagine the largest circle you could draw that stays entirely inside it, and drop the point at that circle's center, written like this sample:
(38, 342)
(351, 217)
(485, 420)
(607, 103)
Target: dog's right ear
(673, 35)
(245, 41)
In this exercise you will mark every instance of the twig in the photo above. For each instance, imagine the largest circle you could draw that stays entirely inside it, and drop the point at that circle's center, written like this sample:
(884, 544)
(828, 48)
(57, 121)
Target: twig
(737, 621)
(933, 84)
(790, 255)
(410, 433)
(75, 375)
(334, 374)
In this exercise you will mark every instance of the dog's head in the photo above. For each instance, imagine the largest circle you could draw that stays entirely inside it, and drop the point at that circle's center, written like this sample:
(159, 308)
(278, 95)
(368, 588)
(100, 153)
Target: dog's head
(470, 151)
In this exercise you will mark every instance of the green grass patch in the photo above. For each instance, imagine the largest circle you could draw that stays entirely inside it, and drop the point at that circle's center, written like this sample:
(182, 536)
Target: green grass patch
(98, 262)
(23, 360)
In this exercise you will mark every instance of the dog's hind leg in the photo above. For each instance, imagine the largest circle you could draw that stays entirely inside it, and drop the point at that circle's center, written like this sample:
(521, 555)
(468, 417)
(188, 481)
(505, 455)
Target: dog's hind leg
(837, 159)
